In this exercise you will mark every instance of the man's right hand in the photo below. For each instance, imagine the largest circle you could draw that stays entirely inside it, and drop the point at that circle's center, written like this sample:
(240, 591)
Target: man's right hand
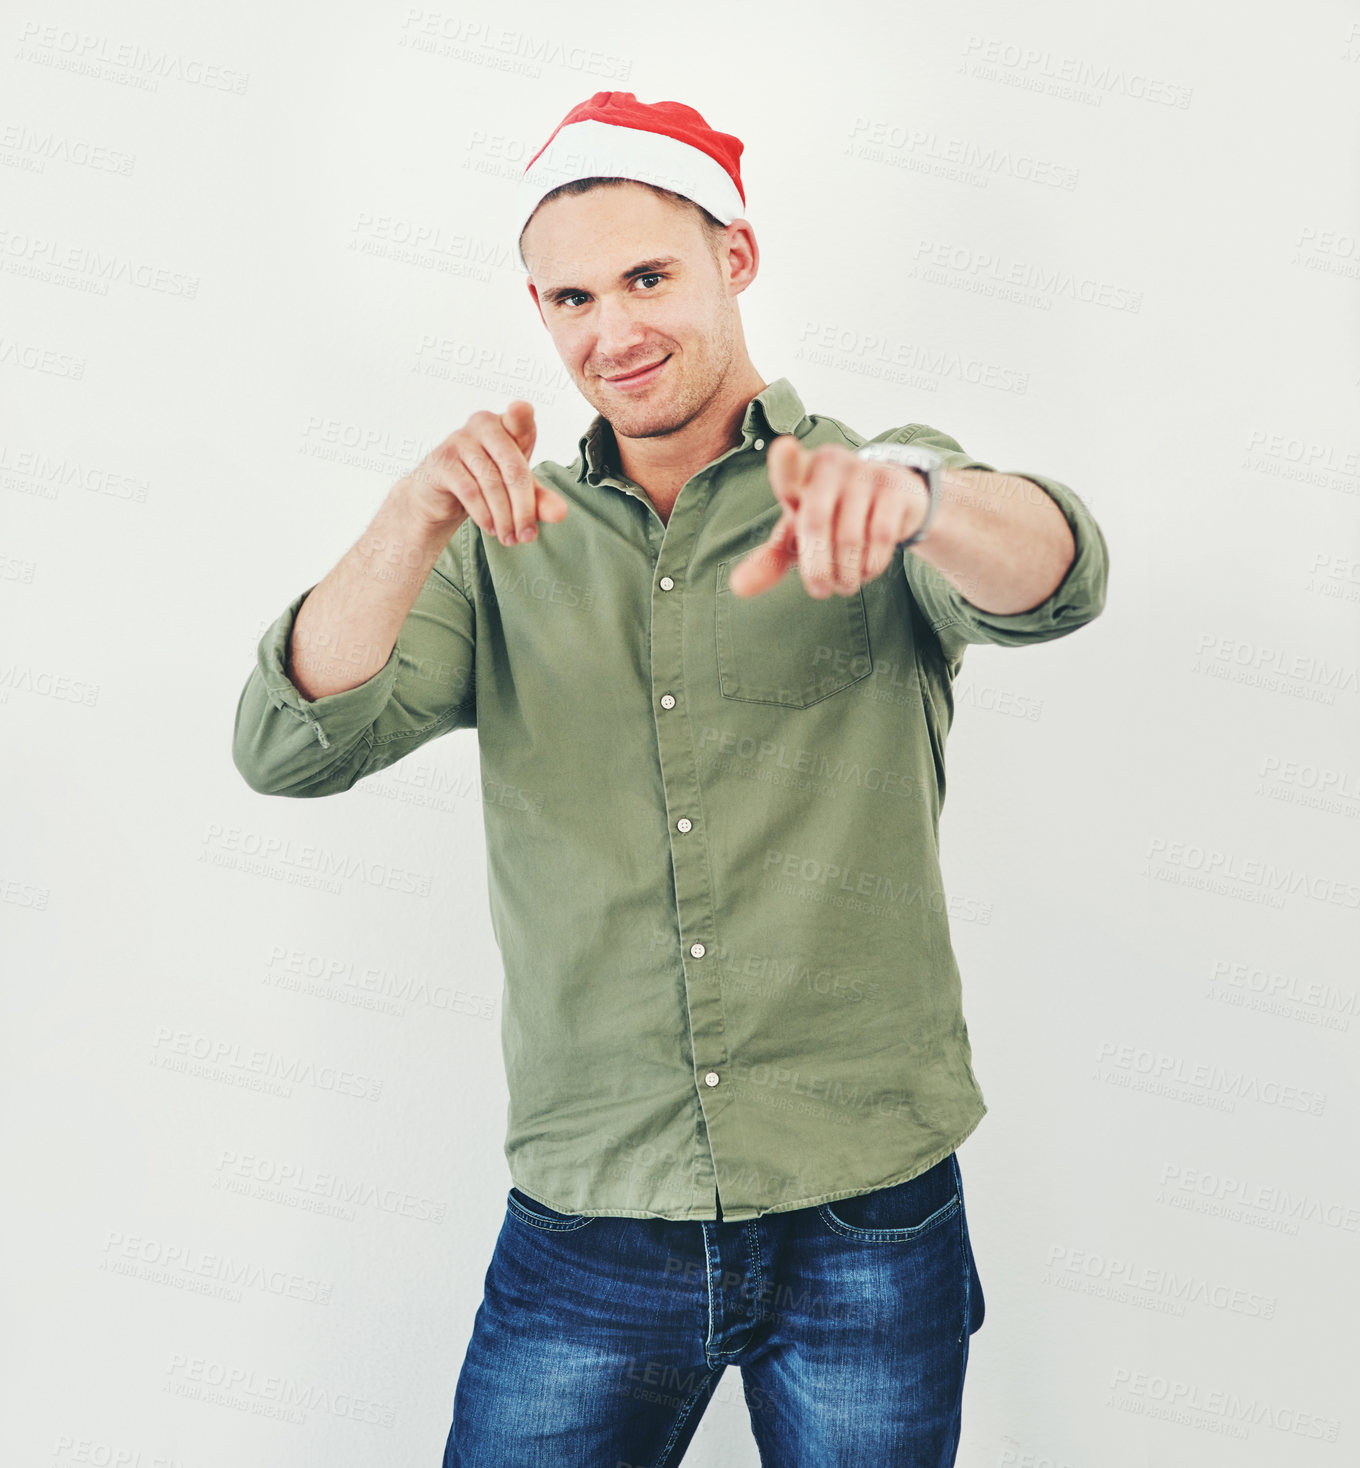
(482, 470)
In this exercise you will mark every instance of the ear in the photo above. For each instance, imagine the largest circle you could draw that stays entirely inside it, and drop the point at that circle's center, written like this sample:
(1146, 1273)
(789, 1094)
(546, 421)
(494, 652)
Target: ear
(743, 254)
(533, 291)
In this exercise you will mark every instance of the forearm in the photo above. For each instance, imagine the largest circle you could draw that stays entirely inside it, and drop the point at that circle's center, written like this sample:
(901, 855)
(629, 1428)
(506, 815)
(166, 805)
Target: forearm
(999, 539)
(347, 626)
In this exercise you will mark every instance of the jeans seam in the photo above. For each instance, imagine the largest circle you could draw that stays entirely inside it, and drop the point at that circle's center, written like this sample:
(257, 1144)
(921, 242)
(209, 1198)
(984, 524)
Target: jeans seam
(963, 1253)
(890, 1235)
(758, 1270)
(708, 1275)
(546, 1225)
(683, 1416)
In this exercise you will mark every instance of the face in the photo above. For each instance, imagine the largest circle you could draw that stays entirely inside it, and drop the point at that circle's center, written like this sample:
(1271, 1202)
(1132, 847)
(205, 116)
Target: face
(624, 280)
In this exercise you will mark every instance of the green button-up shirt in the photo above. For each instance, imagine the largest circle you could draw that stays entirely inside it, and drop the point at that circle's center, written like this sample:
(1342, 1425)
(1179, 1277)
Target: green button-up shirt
(711, 828)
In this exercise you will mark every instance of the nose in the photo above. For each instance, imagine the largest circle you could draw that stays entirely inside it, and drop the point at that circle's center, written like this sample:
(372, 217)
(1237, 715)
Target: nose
(618, 334)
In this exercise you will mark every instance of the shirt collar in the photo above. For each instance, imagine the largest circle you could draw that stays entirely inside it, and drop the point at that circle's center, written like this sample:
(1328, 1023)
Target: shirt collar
(775, 409)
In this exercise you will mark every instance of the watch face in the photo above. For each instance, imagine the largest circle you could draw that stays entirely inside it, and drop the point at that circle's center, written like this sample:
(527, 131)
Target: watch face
(913, 456)
(924, 461)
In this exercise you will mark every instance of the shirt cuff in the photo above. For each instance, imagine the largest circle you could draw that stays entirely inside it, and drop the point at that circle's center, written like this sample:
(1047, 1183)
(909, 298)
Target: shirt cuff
(337, 719)
(1077, 599)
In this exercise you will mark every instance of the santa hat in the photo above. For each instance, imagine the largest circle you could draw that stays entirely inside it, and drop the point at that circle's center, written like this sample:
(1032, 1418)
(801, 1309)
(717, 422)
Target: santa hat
(616, 136)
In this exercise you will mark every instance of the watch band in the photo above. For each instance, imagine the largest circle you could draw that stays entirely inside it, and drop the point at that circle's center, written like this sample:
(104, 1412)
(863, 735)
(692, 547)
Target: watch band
(926, 462)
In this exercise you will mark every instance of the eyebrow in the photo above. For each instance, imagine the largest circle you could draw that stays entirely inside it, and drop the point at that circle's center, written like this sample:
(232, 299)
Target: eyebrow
(644, 267)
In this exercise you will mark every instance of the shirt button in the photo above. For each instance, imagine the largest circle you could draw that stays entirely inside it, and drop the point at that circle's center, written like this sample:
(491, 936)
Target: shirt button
(666, 583)
(697, 950)
(684, 824)
(667, 700)
(711, 1079)
(760, 443)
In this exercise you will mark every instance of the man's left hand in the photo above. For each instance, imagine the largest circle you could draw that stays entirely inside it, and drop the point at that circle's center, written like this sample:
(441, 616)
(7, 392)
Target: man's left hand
(842, 521)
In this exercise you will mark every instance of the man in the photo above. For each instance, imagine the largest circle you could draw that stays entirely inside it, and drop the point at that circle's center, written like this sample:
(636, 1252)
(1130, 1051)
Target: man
(711, 699)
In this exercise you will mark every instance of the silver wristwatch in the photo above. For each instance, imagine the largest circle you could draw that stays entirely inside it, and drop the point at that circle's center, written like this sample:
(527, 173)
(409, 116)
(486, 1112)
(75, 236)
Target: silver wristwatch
(926, 462)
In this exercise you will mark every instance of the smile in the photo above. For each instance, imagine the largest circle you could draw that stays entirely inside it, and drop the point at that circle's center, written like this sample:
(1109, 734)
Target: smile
(638, 379)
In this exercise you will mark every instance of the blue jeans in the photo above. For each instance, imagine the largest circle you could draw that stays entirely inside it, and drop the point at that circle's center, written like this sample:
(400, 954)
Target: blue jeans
(599, 1341)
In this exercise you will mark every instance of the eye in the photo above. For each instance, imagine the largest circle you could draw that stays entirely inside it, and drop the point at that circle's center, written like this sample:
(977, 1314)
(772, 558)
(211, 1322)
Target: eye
(581, 295)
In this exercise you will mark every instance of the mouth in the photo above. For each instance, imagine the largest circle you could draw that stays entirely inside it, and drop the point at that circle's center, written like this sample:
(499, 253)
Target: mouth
(639, 378)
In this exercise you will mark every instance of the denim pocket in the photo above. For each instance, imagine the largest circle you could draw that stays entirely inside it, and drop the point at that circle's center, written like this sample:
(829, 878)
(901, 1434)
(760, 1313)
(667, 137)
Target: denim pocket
(786, 647)
(539, 1215)
(900, 1212)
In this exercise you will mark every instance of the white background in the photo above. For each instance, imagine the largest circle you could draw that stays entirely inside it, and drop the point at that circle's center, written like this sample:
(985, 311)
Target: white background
(1120, 247)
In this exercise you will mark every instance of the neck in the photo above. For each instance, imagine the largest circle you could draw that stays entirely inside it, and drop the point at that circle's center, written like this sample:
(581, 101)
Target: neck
(664, 464)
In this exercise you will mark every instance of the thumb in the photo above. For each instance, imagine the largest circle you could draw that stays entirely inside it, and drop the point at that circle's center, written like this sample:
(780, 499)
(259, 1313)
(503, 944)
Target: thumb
(518, 420)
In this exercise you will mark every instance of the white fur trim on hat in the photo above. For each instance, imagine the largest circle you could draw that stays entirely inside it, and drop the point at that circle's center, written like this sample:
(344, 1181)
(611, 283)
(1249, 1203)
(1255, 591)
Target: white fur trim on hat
(601, 149)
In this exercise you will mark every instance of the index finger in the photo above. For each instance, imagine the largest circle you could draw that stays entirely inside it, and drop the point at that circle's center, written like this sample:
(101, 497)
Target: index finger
(786, 463)
(514, 470)
(764, 567)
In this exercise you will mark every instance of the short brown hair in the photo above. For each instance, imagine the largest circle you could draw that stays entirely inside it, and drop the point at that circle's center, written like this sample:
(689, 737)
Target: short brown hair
(713, 228)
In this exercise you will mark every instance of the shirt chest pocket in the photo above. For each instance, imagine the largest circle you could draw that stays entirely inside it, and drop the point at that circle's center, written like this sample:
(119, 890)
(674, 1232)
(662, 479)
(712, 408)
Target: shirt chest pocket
(787, 647)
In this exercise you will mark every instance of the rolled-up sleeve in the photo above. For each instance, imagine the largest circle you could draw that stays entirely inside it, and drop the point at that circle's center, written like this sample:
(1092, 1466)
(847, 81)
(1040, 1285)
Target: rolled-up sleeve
(1077, 599)
(285, 744)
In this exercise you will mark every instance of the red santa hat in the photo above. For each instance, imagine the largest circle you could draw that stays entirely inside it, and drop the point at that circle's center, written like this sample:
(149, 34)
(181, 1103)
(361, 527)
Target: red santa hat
(615, 136)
